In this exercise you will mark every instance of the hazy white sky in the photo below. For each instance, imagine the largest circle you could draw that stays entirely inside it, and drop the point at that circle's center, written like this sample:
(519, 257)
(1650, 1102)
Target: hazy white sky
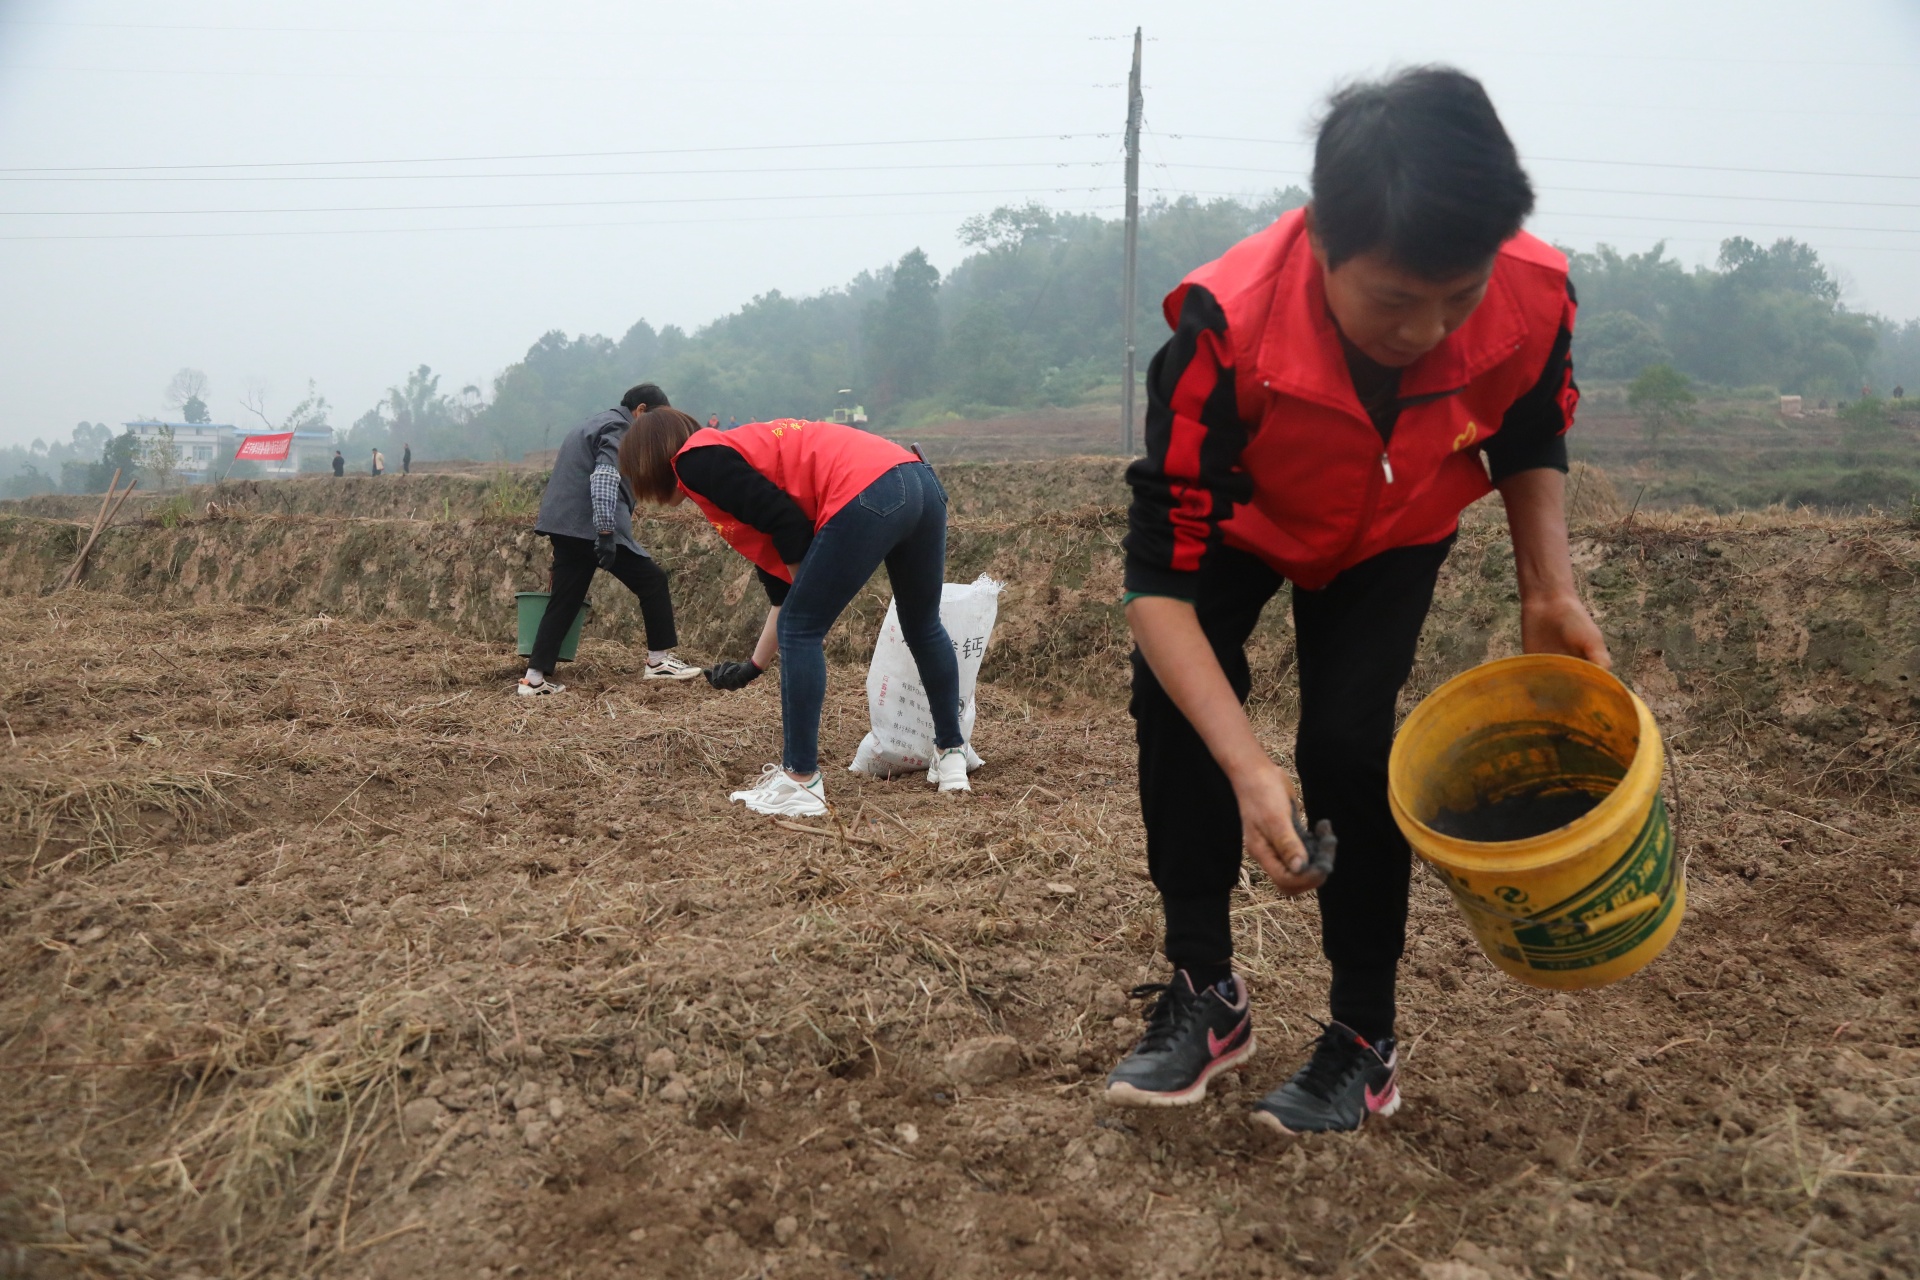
(273, 192)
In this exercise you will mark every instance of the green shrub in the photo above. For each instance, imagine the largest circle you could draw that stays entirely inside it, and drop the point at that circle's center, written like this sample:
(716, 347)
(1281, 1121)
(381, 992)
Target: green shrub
(509, 497)
(174, 511)
(1664, 399)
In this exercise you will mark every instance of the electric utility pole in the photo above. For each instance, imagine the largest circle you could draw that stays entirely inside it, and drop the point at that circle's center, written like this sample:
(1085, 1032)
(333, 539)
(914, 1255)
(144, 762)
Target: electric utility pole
(1134, 106)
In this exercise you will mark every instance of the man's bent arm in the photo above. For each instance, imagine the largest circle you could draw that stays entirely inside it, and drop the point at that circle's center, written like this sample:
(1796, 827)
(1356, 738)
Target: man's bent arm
(1553, 619)
(1174, 646)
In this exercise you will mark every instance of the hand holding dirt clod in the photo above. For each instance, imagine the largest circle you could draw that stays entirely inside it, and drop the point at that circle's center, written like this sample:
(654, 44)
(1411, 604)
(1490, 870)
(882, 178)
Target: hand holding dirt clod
(1276, 834)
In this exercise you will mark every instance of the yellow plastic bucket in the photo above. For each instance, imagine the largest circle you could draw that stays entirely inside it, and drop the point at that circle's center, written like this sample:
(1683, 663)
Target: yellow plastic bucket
(1532, 785)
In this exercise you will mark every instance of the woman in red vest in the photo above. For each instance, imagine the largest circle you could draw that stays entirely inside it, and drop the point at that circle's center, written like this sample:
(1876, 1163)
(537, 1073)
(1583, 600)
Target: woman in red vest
(1338, 388)
(817, 507)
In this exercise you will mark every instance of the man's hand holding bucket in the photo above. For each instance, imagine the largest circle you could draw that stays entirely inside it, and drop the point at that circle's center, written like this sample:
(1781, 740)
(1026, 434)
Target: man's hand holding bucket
(1553, 618)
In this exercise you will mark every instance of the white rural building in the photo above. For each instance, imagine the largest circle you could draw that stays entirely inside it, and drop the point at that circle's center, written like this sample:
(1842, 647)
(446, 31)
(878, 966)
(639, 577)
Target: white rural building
(204, 450)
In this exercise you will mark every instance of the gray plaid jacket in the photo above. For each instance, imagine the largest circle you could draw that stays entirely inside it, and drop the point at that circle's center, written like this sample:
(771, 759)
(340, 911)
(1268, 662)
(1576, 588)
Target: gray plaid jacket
(566, 507)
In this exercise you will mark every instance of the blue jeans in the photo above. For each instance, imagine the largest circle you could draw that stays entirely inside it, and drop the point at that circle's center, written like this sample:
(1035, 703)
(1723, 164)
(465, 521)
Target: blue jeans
(901, 520)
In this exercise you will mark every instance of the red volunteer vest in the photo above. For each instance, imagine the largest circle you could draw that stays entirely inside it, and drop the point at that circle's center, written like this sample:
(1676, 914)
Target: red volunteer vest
(822, 466)
(1326, 494)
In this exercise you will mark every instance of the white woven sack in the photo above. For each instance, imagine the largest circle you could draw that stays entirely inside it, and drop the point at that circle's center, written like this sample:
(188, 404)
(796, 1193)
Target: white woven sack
(901, 739)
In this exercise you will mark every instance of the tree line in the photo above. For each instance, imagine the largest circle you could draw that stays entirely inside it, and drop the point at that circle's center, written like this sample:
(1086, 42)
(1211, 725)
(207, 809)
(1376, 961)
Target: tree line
(1028, 319)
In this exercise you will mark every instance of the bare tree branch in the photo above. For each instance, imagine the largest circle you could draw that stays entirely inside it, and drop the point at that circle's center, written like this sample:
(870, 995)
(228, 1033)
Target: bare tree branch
(254, 401)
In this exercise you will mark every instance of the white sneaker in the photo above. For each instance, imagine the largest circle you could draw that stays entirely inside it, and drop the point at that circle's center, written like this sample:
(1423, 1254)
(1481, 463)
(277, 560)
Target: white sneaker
(782, 797)
(525, 690)
(671, 668)
(949, 770)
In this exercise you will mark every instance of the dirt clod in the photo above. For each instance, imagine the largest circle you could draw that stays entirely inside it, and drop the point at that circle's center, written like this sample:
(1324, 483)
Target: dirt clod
(983, 1060)
(422, 1115)
(1453, 1269)
(1850, 1108)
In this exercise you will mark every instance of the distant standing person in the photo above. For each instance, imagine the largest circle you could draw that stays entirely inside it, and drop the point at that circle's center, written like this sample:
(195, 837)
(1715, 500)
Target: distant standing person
(713, 422)
(817, 507)
(406, 459)
(339, 463)
(587, 511)
(379, 463)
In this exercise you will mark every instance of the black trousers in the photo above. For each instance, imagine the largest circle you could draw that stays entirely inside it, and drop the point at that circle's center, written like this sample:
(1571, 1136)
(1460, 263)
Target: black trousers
(573, 570)
(1355, 641)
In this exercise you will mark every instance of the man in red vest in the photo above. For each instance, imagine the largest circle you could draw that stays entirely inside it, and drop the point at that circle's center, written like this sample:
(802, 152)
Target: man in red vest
(1338, 388)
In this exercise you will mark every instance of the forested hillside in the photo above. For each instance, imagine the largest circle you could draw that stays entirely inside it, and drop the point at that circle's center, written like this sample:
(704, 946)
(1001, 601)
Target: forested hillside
(1029, 319)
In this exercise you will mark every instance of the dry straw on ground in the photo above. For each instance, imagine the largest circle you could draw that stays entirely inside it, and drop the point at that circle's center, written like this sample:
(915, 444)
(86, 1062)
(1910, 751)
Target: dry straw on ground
(328, 957)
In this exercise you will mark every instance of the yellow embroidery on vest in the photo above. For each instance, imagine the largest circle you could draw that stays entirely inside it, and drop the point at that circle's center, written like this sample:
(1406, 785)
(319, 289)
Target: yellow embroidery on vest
(1467, 436)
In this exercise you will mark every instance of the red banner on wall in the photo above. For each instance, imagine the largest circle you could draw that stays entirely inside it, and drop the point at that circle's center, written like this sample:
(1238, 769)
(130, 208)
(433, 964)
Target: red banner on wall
(265, 448)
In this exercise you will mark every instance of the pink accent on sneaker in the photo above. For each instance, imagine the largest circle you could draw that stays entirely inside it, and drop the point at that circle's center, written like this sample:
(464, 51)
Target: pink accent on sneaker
(1217, 1046)
(1127, 1095)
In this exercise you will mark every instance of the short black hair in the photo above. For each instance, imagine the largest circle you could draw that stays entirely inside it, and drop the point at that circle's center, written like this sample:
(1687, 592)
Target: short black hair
(645, 394)
(1418, 166)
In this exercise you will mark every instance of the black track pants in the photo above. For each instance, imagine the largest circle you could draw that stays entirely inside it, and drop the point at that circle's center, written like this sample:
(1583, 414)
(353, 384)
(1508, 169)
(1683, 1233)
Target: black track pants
(573, 570)
(1355, 642)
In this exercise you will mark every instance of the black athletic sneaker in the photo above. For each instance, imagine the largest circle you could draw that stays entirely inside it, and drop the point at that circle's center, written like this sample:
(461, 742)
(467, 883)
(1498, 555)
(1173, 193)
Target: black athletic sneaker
(1345, 1081)
(1190, 1037)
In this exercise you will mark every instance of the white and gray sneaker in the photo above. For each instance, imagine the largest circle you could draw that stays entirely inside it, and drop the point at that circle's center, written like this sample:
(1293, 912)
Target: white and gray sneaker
(949, 770)
(526, 690)
(780, 796)
(671, 668)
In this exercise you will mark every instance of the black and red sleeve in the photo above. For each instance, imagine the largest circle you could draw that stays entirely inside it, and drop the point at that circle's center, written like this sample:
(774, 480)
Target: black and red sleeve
(727, 480)
(1533, 433)
(1186, 486)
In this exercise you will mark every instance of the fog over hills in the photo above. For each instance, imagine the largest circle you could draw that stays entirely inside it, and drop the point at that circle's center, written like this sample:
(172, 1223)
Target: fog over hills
(344, 194)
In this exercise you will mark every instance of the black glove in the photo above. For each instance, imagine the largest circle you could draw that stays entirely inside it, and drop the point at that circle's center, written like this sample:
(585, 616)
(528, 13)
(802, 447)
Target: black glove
(606, 551)
(733, 675)
(1320, 845)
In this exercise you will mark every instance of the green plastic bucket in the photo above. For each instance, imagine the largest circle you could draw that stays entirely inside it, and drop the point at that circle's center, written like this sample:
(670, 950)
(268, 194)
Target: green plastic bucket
(532, 606)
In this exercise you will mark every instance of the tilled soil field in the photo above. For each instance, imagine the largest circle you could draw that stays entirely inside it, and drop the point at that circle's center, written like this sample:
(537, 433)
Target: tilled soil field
(325, 956)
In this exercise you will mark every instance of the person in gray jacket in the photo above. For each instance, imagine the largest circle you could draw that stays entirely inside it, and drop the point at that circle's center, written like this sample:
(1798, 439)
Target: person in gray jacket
(587, 511)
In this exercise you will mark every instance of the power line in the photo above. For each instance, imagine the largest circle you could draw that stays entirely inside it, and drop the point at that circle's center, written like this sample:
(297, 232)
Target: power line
(1292, 46)
(553, 155)
(897, 168)
(532, 204)
(1722, 222)
(1651, 217)
(1629, 164)
(1693, 195)
(1599, 191)
(703, 221)
(874, 195)
(899, 142)
(521, 226)
(574, 173)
